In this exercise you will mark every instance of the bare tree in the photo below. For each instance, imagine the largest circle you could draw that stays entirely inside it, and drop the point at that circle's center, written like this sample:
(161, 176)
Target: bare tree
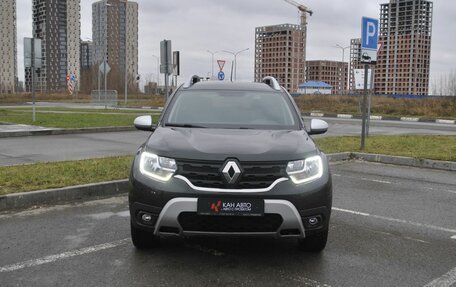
(452, 84)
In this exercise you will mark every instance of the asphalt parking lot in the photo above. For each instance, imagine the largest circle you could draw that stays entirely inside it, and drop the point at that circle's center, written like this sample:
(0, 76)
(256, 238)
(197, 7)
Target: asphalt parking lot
(391, 226)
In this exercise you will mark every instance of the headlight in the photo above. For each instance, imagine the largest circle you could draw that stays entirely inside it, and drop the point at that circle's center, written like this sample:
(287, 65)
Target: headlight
(303, 171)
(157, 167)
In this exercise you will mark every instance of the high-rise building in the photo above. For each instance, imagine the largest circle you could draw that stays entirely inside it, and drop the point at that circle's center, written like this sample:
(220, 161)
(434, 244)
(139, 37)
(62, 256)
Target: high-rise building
(86, 54)
(8, 47)
(88, 80)
(115, 37)
(57, 24)
(355, 61)
(334, 73)
(280, 52)
(403, 62)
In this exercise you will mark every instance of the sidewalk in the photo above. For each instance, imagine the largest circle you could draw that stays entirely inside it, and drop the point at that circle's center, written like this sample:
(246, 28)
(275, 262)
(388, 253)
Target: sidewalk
(14, 130)
(380, 118)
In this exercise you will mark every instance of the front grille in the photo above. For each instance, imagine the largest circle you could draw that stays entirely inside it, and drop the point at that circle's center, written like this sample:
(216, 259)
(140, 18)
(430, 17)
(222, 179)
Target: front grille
(254, 174)
(191, 221)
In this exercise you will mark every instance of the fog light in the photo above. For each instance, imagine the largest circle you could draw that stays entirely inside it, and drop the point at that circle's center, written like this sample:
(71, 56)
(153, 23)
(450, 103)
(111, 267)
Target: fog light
(313, 221)
(146, 217)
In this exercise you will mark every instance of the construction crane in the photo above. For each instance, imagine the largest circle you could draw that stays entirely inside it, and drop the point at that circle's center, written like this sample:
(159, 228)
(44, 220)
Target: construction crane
(304, 11)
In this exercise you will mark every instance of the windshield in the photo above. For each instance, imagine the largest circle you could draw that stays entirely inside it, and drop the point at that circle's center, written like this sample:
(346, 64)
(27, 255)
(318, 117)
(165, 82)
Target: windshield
(232, 109)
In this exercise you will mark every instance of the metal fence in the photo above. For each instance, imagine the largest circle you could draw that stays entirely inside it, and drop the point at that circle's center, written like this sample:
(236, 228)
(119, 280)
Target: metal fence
(99, 97)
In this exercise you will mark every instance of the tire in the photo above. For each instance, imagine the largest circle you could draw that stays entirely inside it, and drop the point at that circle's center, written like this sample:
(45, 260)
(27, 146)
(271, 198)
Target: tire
(314, 243)
(142, 239)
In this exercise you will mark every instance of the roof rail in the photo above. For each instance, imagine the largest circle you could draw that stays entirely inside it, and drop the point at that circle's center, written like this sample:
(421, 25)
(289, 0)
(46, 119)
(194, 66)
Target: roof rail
(272, 82)
(190, 82)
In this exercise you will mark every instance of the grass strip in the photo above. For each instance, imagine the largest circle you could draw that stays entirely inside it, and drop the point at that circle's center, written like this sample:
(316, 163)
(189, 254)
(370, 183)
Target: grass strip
(14, 179)
(61, 120)
(40, 176)
(421, 147)
(86, 111)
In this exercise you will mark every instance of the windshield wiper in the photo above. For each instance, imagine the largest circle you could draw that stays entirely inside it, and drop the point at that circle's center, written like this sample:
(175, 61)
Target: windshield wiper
(184, 126)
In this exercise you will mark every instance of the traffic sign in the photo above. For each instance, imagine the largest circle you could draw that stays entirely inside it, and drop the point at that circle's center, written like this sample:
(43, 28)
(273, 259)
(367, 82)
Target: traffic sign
(359, 79)
(166, 57)
(369, 40)
(221, 76)
(102, 68)
(221, 64)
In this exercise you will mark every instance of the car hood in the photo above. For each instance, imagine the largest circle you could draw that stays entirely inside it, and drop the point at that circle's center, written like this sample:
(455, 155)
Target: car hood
(220, 144)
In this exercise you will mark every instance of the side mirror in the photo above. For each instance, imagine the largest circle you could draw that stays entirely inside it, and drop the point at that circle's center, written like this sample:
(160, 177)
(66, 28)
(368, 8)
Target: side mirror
(318, 127)
(144, 123)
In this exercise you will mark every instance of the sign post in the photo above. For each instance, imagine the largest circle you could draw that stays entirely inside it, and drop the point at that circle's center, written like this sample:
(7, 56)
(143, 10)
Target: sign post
(166, 66)
(369, 44)
(32, 60)
(104, 69)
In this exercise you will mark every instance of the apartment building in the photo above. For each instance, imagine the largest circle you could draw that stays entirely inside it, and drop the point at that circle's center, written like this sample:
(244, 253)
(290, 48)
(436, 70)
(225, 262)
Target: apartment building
(57, 24)
(403, 63)
(280, 52)
(334, 73)
(8, 47)
(115, 38)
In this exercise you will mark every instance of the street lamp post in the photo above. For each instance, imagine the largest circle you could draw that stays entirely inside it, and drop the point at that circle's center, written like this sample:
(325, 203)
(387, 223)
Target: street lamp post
(106, 55)
(158, 70)
(235, 60)
(343, 50)
(343, 60)
(212, 63)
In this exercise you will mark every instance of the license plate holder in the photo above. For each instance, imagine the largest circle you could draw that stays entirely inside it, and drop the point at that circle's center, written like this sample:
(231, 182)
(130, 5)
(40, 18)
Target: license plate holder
(230, 207)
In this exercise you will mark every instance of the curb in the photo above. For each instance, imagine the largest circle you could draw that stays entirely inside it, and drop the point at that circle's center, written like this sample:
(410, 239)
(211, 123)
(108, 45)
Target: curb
(54, 132)
(394, 160)
(61, 195)
(119, 187)
(380, 118)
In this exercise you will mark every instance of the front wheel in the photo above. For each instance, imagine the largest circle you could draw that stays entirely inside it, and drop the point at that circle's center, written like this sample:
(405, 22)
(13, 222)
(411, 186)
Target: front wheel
(314, 243)
(143, 239)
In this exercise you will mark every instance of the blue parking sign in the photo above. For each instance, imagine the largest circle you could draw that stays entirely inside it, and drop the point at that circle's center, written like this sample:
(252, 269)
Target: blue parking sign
(369, 39)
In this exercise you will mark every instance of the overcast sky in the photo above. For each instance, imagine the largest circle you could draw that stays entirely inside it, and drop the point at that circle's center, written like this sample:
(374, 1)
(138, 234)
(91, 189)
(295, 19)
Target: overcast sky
(200, 25)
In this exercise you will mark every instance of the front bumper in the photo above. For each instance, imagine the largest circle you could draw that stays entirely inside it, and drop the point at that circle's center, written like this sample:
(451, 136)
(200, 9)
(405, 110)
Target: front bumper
(169, 223)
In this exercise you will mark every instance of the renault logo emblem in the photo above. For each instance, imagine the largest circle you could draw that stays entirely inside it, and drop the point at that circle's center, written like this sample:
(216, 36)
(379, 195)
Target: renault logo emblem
(231, 172)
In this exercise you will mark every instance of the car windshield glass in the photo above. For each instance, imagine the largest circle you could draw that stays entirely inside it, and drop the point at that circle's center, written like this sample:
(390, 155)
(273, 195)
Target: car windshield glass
(232, 109)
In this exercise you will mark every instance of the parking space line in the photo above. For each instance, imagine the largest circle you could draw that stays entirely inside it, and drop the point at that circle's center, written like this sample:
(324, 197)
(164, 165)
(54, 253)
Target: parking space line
(446, 280)
(61, 256)
(304, 281)
(453, 231)
(363, 178)
(390, 182)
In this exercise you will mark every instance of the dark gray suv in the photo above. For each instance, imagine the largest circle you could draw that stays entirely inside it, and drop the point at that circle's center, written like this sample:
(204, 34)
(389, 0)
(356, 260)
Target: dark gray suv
(230, 159)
